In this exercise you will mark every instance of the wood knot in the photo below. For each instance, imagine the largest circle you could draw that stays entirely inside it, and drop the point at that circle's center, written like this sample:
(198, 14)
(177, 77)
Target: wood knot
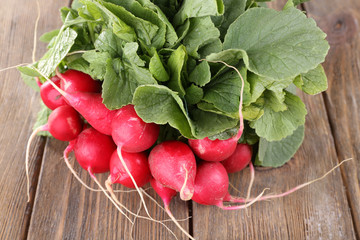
(342, 28)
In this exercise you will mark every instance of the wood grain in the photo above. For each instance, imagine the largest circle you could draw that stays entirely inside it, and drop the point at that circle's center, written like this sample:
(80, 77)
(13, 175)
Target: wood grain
(64, 209)
(342, 100)
(310, 213)
(18, 108)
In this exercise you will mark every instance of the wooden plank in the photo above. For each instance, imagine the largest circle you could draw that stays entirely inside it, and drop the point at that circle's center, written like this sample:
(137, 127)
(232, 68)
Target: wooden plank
(64, 209)
(310, 213)
(19, 105)
(341, 23)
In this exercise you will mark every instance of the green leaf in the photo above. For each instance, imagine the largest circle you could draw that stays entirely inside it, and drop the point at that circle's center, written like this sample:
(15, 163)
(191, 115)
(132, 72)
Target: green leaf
(30, 81)
(277, 153)
(230, 56)
(224, 91)
(123, 77)
(117, 90)
(274, 126)
(208, 123)
(201, 32)
(255, 110)
(109, 42)
(209, 107)
(312, 82)
(97, 66)
(233, 9)
(57, 52)
(161, 105)
(171, 36)
(119, 27)
(201, 74)
(134, 15)
(47, 37)
(42, 119)
(279, 45)
(157, 68)
(212, 47)
(175, 64)
(198, 8)
(193, 94)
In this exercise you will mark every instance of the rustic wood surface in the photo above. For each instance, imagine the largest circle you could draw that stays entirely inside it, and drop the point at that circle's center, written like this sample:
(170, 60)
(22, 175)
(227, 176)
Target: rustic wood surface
(62, 209)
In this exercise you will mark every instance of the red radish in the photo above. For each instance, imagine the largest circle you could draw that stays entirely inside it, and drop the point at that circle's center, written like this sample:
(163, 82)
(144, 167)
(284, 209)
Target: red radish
(76, 81)
(239, 159)
(50, 96)
(90, 106)
(211, 186)
(65, 123)
(213, 150)
(131, 133)
(173, 164)
(138, 166)
(93, 150)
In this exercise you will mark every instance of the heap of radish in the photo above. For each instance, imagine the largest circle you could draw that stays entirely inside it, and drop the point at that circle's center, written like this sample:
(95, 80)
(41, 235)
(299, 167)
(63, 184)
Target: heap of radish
(177, 97)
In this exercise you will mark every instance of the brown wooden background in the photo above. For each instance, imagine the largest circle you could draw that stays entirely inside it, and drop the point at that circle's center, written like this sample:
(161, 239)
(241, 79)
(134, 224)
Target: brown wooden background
(63, 209)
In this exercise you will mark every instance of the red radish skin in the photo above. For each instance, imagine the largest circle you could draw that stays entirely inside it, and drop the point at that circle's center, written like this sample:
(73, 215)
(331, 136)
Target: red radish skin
(211, 186)
(93, 150)
(165, 193)
(131, 133)
(65, 123)
(213, 150)
(138, 166)
(90, 106)
(50, 96)
(76, 81)
(173, 164)
(239, 159)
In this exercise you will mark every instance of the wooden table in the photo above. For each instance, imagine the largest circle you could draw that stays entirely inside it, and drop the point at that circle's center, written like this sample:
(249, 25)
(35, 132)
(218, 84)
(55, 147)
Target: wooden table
(62, 209)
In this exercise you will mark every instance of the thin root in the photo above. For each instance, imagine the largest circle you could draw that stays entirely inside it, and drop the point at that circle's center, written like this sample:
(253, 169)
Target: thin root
(32, 136)
(108, 184)
(241, 200)
(107, 195)
(245, 205)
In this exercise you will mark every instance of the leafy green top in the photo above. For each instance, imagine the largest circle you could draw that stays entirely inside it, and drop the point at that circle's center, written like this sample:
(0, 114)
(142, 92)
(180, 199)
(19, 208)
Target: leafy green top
(151, 53)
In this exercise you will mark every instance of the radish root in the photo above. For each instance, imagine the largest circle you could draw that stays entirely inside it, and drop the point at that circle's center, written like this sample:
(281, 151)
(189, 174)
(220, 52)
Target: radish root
(107, 195)
(245, 205)
(241, 200)
(184, 185)
(27, 155)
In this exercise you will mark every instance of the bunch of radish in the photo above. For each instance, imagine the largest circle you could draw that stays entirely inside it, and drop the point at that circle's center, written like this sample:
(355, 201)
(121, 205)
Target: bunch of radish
(119, 141)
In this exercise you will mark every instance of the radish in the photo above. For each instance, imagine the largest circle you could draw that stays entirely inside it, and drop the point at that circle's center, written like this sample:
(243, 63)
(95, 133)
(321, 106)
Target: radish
(213, 150)
(93, 150)
(211, 186)
(239, 159)
(131, 133)
(138, 166)
(173, 164)
(76, 81)
(90, 106)
(64, 124)
(49, 95)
